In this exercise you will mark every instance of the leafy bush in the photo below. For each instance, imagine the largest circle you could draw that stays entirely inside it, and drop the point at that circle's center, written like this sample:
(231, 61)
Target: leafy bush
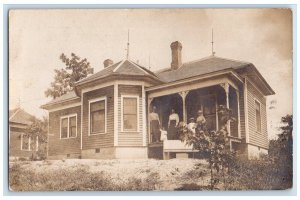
(270, 172)
(262, 174)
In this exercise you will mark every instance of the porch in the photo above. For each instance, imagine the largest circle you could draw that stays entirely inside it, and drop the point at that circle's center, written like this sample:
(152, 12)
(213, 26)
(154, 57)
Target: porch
(186, 104)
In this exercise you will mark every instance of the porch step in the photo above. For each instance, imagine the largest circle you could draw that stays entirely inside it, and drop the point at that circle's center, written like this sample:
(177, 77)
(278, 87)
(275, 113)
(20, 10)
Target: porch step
(177, 146)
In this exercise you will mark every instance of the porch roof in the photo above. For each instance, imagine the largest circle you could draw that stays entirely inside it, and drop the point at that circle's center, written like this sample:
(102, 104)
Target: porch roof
(199, 67)
(213, 64)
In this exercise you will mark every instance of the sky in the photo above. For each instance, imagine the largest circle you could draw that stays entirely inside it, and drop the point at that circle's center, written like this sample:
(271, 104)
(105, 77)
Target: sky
(38, 37)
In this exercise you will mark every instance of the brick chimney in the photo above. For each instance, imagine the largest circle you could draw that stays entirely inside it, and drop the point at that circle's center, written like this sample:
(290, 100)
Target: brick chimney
(176, 55)
(107, 62)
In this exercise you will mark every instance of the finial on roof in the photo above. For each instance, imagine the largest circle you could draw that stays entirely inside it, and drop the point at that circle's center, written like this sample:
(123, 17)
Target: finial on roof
(19, 103)
(149, 63)
(127, 55)
(212, 43)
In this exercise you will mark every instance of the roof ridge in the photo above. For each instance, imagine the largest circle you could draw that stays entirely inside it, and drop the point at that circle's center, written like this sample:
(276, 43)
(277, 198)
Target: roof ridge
(92, 75)
(17, 110)
(211, 56)
(234, 60)
(119, 65)
(193, 61)
(162, 70)
(138, 67)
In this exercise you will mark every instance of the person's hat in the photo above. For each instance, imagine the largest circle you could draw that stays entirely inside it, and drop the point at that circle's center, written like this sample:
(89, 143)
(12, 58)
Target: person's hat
(200, 111)
(192, 119)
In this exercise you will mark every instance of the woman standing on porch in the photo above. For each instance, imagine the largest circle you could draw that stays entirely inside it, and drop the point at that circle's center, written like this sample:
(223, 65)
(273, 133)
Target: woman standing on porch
(172, 125)
(154, 125)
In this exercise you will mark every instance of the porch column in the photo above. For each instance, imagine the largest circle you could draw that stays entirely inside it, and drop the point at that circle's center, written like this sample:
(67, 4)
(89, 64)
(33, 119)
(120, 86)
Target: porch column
(226, 88)
(238, 107)
(148, 109)
(183, 96)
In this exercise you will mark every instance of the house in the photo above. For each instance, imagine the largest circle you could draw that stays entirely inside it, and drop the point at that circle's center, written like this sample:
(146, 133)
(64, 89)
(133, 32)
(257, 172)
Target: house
(21, 145)
(107, 114)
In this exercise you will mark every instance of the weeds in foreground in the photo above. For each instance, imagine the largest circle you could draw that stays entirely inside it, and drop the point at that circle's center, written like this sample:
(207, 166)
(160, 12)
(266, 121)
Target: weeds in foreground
(78, 179)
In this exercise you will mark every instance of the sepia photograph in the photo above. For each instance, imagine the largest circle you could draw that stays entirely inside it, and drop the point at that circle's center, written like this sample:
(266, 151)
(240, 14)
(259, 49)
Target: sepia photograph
(160, 99)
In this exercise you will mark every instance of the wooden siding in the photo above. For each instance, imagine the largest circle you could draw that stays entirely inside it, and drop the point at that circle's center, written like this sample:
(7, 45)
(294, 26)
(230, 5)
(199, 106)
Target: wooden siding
(242, 114)
(255, 138)
(15, 146)
(130, 138)
(99, 140)
(59, 146)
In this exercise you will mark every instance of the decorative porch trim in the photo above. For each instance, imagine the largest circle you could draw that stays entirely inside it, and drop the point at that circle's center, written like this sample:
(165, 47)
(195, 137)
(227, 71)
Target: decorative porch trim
(225, 86)
(183, 96)
(186, 87)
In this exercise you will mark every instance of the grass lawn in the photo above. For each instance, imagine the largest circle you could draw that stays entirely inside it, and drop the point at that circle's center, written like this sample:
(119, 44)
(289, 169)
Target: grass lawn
(106, 175)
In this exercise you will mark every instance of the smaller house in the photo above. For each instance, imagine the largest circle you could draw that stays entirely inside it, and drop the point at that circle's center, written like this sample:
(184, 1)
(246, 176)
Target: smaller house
(20, 145)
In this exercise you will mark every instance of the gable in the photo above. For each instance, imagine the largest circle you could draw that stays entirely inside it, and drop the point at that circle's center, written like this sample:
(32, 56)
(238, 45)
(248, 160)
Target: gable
(20, 116)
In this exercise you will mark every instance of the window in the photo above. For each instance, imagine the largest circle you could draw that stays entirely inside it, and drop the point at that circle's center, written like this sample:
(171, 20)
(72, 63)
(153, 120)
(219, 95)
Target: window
(130, 114)
(98, 116)
(29, 143)
(64, 128)
(68, 126)
(25, 142)
(72, 126)
(257, 116)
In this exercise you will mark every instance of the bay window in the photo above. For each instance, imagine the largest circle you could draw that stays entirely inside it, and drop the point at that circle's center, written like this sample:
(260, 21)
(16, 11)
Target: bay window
(130, 113)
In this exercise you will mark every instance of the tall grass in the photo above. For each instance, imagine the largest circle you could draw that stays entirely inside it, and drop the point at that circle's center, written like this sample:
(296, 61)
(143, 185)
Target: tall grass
(78, 179)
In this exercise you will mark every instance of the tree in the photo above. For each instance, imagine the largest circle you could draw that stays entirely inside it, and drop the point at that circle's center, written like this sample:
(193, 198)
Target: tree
(281, 151)
(64, 79)
(38, 129)
(213, 144)
(283, 145)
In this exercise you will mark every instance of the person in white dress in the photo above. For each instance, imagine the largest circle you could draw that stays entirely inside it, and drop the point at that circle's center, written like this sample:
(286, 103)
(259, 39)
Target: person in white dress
(192, 125)
(172, 125)
(201, 121)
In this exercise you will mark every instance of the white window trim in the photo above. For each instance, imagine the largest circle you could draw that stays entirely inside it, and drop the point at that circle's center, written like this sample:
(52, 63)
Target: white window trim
(68, 116)
(29, 143)
(256, 100)
(122, 121)
(105, 121)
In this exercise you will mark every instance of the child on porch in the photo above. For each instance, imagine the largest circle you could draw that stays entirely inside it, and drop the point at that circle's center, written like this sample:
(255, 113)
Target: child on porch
(163, 134)
(201, 121)
(192, 125)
